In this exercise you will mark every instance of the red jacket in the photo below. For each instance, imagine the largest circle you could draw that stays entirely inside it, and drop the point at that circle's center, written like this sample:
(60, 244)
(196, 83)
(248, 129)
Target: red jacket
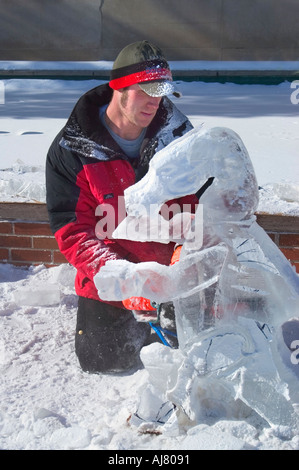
(85, 170)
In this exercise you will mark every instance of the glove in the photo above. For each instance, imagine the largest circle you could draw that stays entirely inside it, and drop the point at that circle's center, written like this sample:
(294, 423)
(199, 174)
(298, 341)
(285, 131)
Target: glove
(143, 309)
(138, 303)
(176, 255)
(141, 303)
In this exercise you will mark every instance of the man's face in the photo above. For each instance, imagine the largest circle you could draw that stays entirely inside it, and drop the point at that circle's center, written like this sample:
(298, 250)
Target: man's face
(137, 107)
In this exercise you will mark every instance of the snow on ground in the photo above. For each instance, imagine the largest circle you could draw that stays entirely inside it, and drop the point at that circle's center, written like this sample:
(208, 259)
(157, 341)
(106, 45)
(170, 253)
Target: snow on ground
(47, 402)
(34, 110)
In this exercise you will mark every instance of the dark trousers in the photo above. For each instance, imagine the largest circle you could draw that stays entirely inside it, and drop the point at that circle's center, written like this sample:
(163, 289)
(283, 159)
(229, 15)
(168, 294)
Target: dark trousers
(108, 339)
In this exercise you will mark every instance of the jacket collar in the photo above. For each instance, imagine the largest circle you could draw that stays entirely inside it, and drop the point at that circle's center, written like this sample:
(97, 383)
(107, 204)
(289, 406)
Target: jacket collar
(85, 134)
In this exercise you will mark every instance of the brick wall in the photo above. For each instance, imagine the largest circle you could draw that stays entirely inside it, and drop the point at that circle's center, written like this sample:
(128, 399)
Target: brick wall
(28, 243)
(284, 231)
(289, 245)
(26, 238)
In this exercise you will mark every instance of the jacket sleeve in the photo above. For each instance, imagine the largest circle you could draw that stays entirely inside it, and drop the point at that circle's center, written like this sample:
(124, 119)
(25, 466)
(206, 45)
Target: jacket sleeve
(72, 213)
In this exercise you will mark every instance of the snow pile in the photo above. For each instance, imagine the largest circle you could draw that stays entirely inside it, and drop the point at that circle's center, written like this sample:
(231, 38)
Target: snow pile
(47, 402)
(23, 183)
(279, 198)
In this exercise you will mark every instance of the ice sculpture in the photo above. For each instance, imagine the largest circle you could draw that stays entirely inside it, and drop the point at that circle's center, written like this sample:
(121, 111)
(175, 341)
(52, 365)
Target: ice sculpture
(232, 282)
(255, 278)
(228, 372)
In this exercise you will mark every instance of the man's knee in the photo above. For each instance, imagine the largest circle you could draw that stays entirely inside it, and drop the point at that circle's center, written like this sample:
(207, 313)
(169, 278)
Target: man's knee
(99, 357)
(108, 339)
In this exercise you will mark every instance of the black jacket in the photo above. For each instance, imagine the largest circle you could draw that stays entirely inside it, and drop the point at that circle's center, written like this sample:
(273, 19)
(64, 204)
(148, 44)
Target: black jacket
(85, 170)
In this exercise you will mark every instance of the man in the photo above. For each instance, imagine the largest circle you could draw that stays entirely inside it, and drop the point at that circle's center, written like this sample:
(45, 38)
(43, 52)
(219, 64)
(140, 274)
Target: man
(106, 145)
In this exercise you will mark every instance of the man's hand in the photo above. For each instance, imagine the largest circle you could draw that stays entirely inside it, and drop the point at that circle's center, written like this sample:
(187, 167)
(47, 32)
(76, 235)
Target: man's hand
(176, 255)
(139, 303)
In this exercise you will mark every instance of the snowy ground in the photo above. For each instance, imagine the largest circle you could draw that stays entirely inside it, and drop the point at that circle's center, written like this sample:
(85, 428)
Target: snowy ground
(47, 402)
(263, 115)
